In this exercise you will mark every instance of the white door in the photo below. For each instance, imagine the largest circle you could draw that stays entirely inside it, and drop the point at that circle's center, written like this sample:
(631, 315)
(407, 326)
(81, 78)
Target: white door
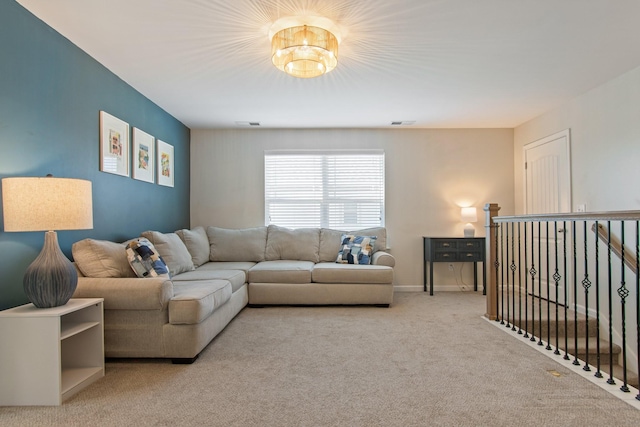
(548, 190)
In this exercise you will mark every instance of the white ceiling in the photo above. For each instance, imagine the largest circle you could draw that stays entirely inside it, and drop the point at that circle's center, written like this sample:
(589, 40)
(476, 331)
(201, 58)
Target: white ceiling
(440, 63)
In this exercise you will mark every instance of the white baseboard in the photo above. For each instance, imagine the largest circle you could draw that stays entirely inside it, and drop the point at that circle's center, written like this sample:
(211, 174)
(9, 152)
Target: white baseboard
(420, 288)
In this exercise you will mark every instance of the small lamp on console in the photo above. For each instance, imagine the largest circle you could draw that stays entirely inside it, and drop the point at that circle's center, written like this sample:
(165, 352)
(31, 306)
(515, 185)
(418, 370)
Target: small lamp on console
(468, 216)
(47, 204)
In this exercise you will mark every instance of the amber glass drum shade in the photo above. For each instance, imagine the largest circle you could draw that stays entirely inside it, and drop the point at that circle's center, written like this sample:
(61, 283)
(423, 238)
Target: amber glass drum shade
(304, 51)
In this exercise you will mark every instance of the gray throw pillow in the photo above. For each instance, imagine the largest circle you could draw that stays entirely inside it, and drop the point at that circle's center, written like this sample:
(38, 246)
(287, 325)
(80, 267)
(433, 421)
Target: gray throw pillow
(172, 250)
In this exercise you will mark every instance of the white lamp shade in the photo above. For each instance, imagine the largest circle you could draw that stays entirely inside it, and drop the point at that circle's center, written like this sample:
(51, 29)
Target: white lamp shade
(469, 214)
(46, 203)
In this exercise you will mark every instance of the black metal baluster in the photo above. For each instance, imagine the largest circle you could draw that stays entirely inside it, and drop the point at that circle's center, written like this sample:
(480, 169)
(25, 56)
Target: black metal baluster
(638, 295)
(502, 274)
(575, 293)
(526, 284)
(556, 280)
(548, 347)
(623, 293)
(540, 284)
(533, 272)
(610, 380)
(506, 263)
(520, 280)
(513, 276)
(566, 290)
(497, 266)
(586, 284)
(598, 373)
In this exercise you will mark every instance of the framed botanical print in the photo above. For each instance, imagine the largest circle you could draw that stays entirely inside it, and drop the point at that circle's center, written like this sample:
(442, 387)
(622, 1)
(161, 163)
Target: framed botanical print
(114, 145)
(143, 158)
(165, 164)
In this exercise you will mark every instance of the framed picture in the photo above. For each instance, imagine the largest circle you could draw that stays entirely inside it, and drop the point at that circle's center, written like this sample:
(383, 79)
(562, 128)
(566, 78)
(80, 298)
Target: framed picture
(114, 145)
(165, 164)
(143, 157)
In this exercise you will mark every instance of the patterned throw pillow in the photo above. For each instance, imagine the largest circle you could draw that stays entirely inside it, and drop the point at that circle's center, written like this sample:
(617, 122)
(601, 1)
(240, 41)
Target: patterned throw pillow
(356, 249)
(144, 259)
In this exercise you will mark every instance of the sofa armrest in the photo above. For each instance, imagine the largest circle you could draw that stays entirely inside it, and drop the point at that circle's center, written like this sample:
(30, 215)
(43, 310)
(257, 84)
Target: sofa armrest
(127, 293)
(383, 258)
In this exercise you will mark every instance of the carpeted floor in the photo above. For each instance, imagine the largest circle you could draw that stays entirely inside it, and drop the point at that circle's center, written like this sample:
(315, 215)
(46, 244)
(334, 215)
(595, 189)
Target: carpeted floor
(425, 361)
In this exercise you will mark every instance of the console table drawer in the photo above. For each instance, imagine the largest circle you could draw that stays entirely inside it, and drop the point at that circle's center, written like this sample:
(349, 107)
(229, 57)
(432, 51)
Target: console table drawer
(470, 245)
(445, 256)
(470, 256)
(443, 244)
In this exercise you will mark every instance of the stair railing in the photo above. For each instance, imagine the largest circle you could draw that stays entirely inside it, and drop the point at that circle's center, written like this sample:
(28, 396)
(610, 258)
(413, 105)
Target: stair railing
(576, 293)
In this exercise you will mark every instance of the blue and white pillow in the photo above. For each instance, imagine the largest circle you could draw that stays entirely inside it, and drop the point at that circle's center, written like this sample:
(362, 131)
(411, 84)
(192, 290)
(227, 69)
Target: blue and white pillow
(144, 259)
(356, 249)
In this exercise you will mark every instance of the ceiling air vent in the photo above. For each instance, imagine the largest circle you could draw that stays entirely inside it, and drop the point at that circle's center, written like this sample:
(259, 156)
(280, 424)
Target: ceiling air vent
(403, 123)
(248, 123)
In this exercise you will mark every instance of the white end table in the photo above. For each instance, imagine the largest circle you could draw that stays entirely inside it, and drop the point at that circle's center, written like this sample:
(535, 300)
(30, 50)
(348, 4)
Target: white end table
(49, 354)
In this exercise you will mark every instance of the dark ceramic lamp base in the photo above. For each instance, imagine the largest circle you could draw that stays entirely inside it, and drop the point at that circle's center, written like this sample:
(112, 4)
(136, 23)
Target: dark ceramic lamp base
(51, 279)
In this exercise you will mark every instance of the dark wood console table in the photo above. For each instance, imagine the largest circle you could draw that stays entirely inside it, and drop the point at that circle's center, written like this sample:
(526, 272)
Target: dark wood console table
(454, 249)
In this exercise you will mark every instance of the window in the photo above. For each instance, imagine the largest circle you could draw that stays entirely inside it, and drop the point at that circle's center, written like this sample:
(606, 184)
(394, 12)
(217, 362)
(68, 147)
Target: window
(339, 189)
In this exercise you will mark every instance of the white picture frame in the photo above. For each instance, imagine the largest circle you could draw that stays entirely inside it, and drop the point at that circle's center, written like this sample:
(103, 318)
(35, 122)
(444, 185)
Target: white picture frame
(114, 145)
(165, 163)
(143, 156)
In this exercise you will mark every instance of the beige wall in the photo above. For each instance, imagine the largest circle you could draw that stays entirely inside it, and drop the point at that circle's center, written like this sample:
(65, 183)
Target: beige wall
(605, 145)
(428, 173)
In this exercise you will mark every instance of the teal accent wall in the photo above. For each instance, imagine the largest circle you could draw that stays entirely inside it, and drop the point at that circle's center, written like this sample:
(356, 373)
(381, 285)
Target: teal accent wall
(51, 93)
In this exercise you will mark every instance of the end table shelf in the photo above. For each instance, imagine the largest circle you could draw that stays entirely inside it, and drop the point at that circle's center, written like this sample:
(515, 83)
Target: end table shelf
(50, 354)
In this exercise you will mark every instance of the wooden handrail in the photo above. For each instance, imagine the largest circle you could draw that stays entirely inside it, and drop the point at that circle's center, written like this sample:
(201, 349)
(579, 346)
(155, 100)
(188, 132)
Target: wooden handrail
(573, 216)
(616, 246)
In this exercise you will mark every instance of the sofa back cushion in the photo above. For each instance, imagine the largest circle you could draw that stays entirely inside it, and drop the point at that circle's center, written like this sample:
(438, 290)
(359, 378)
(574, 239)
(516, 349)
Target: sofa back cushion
(101, 258)
(302, 244)
(172, 250)
(197, 244)
(247, 244)
(330, 244)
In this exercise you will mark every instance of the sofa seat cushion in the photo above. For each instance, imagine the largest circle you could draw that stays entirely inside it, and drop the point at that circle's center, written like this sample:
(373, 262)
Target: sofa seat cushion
(194, 301)
(236, 277)
(281, 271)
(228, 265)
(329, 272)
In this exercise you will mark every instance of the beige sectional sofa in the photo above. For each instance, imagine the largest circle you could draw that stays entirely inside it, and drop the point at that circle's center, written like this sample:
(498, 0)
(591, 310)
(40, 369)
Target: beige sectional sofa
(213, 274)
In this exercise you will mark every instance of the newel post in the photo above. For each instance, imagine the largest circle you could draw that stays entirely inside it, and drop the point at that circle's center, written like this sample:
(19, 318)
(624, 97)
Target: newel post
(491, 251)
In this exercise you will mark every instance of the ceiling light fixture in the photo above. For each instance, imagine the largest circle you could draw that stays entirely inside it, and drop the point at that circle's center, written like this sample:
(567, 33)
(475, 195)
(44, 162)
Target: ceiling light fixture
(304, 47)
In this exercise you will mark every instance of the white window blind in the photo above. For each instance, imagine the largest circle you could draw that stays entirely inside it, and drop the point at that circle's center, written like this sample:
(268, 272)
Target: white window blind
(340, 189)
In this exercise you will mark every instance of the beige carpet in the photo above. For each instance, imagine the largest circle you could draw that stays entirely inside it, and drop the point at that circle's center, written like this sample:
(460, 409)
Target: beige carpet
(426, 361)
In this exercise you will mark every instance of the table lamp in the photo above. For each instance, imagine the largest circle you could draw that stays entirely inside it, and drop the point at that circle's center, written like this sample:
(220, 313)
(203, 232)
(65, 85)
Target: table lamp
(469, 215)
(48, 204)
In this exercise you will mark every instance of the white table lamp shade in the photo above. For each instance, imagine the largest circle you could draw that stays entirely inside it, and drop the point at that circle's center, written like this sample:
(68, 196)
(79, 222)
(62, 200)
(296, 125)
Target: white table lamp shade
(44, 204)
(469, 214)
